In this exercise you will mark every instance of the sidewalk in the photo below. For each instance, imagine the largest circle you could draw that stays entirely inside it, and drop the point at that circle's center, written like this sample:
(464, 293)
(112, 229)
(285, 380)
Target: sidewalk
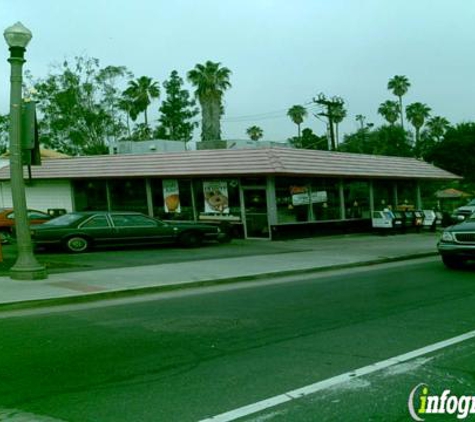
(293, 257)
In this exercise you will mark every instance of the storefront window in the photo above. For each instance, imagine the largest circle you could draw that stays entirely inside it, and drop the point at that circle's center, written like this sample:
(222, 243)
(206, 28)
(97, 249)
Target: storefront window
(218, 199)
(326, 199)
(90, 195)
(172, 199)
(128, 195)
(383, 194)
(406, 194)
(356, 194)
(293, 199)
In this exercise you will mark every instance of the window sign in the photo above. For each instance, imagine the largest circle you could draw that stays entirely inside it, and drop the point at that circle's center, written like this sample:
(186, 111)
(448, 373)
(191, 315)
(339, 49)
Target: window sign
(216, 197)
(171, 196)
(301, 196)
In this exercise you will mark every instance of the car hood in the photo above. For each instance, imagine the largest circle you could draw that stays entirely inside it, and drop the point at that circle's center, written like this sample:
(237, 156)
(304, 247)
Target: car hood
(467, 226)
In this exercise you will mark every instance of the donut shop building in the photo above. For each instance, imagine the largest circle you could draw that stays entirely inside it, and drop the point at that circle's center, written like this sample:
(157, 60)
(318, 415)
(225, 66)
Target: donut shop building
(268, 193)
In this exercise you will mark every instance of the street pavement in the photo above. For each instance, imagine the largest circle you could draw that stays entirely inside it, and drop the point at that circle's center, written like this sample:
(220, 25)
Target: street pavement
(291, 257)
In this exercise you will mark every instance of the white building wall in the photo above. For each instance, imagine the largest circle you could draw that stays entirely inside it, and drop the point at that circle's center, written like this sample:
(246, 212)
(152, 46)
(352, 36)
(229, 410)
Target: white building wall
(41, 195)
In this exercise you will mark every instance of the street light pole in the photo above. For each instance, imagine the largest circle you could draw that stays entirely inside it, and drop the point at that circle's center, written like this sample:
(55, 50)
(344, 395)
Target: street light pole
(26, 266)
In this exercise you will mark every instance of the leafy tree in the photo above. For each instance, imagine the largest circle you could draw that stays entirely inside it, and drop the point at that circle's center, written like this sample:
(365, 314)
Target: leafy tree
(76, 106)
(399, 85)
(142, 91)
(417, 113)
(297, 114)
(4, 132)
(177, 110)
(385, 140)
(210, 81)
(390, 111)
(435, 129)
(309, 140)
(255, 132)
(456, 151)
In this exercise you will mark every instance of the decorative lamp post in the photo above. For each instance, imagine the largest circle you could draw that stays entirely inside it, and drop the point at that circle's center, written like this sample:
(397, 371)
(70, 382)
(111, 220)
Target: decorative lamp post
(26, 266)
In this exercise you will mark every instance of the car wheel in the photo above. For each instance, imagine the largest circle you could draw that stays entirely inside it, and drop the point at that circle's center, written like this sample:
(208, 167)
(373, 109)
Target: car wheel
(76, 244)
(190, 239)
(453, 262)
(5, 237)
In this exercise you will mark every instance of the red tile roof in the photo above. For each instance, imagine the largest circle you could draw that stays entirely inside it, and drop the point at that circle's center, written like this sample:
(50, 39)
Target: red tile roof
(246, 162)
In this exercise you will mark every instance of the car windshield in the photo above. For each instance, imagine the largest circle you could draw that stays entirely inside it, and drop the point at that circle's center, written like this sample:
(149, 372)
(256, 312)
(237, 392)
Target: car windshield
(64, 220)
(472, 202)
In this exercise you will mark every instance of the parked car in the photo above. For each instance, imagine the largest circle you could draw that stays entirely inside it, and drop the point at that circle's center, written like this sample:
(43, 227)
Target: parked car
(80, 231)
(462, 213)
(7, 221)
(457, 243)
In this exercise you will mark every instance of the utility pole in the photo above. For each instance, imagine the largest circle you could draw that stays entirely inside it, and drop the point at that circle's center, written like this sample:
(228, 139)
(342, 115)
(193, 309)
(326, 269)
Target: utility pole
(330, 107)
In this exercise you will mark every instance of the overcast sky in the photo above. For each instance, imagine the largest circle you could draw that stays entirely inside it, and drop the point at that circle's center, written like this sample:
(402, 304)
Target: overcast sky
(280, 52)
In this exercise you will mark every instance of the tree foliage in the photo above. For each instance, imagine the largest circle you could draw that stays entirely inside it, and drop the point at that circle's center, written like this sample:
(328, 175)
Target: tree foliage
(309, 140)
(399, 85)
(77, 104)
(390, 111)
(385, 140)
(141, 92)
(297, 114)
(177, 111)
(456, 151)
(210, 81)
(255, 132)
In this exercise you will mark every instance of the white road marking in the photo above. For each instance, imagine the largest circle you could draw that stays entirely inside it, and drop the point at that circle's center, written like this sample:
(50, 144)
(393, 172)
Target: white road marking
(298, 393)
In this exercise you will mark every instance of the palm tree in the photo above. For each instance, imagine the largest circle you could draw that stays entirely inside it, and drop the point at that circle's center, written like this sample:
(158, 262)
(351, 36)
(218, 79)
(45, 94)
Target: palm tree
(390, 111)
(255, 132)
(297, 114)
(210, 81)
(417, 113)
(127, 105)
(142, 91)
(437, 126)
(399, 85)
(338, 113)
(360, 118)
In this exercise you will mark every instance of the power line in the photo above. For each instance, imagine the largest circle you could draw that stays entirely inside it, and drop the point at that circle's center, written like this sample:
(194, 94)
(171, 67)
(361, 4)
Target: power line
(265, 116)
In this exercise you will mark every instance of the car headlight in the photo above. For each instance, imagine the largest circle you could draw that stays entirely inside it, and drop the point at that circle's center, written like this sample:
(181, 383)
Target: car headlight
(447, 237)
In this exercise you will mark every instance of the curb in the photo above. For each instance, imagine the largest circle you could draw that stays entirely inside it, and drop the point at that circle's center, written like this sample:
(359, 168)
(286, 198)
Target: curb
(119, 294)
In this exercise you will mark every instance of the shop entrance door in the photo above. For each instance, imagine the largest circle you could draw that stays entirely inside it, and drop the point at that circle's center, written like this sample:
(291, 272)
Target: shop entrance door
(255, 210)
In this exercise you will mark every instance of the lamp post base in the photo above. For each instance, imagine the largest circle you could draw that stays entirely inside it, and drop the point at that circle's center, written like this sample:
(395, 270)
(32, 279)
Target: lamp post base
(34, 272)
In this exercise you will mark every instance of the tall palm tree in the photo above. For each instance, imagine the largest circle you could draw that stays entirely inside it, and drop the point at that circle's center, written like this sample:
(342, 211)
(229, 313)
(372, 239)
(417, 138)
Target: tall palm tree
(210, 81)
(360, 118)
(399, 85)
(255, 132)
(390, 111)
(437, 126)
(297, 114)
(417, 113)
(142, 91)
(338, 114)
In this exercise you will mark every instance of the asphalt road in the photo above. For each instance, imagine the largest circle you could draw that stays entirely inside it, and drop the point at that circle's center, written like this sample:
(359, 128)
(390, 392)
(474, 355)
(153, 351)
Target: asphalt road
(185, 356)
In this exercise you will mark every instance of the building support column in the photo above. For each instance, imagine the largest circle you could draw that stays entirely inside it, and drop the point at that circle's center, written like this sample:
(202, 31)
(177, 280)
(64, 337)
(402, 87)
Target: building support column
(371, 197)
(418, 195)
(148, 194)
(342, 200)
(271, 201)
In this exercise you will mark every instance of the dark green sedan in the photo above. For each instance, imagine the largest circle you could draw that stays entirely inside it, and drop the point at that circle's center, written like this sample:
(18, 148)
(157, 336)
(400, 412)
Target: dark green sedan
(80, 231)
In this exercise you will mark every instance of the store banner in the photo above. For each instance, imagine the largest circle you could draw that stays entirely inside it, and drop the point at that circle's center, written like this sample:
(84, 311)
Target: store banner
(171, 195)
(216, 197)
(301, 196)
